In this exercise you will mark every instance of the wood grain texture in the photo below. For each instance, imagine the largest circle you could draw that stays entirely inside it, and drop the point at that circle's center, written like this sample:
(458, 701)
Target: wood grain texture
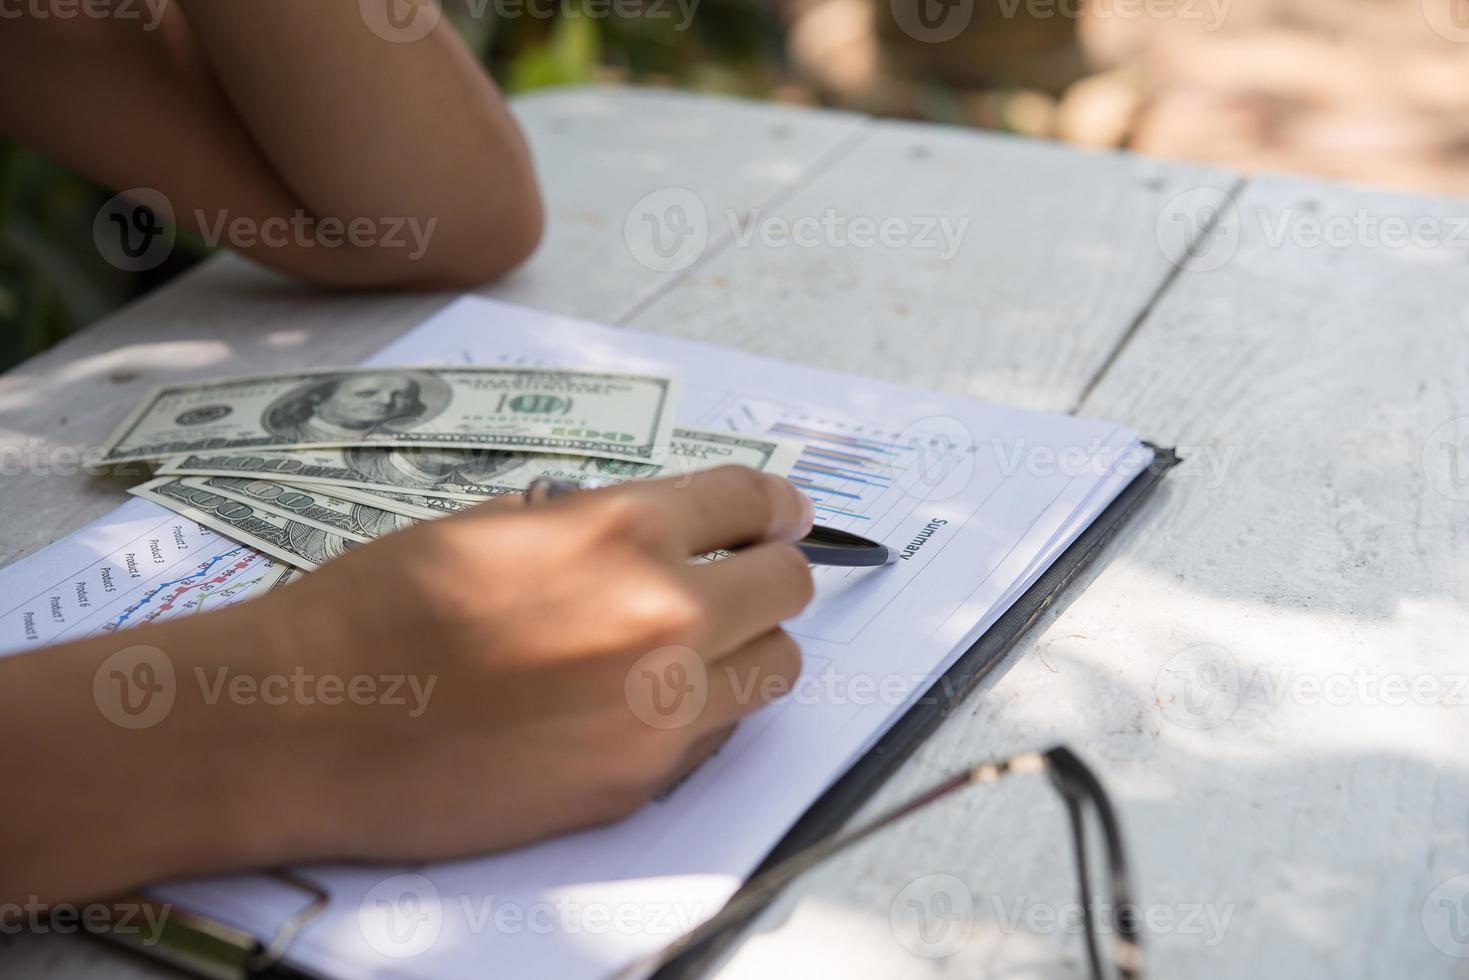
(1050, 256)
(1309, 552)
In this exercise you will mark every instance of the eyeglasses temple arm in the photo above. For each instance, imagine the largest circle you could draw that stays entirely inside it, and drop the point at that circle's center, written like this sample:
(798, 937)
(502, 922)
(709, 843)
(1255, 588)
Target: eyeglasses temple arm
(759, 890)
(1078, 785)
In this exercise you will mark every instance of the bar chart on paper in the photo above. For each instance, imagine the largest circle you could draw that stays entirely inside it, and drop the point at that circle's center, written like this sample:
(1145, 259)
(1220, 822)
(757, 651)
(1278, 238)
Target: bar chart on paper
(861, 477)
(852, 469)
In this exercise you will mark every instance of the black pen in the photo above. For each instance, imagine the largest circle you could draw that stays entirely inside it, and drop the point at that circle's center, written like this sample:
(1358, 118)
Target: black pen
(823, 546)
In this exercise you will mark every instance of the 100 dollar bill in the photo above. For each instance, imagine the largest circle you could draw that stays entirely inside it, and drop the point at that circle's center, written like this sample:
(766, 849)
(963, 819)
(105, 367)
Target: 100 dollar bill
(625, 417)
(415, 505)
(314, 506)
(298, 544)
(474, 475)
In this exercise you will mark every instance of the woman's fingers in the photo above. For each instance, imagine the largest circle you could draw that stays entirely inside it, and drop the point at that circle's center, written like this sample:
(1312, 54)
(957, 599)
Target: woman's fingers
(697, 753)
(681, 516)
(762, 671)
(726, 507)
(749, 594)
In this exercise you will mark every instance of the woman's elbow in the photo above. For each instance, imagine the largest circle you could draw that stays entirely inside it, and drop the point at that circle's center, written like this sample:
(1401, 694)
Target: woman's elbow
(463, 246)
(480, 245)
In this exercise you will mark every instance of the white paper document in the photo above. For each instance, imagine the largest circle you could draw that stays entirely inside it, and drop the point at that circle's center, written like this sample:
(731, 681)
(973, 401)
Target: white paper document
(978, 499)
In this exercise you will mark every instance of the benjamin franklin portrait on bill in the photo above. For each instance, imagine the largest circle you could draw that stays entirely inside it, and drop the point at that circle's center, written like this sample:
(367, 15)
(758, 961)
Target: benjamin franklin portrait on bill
(351, 407)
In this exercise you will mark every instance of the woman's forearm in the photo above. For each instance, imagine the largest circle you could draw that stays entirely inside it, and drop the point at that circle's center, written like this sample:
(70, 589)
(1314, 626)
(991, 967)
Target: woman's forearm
(363, 125)
(128, 759)
(454, 688)
(270, 126)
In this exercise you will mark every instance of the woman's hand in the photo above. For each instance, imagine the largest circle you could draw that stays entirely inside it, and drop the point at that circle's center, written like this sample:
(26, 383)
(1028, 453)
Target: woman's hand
(519, 672)
(577, 663)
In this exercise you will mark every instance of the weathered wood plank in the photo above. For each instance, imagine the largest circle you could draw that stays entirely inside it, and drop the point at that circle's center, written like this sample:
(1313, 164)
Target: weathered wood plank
(1056, 254)
(1311, 552)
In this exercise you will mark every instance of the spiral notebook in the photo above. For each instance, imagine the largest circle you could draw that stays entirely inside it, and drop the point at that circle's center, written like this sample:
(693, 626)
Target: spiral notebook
(994, 510)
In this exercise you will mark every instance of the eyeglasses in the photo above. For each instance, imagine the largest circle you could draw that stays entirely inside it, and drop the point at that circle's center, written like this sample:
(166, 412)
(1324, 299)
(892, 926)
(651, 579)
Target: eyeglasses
(1079, 789)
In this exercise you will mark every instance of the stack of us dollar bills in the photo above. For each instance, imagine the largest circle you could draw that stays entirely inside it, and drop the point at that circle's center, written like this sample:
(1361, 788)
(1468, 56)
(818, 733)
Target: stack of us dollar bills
(306, 466)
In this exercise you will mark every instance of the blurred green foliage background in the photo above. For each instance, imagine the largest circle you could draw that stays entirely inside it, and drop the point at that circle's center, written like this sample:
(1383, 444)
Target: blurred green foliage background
(53, 280)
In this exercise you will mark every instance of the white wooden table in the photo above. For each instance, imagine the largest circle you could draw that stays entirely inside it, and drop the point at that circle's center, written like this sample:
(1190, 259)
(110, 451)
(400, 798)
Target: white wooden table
(1305, 825)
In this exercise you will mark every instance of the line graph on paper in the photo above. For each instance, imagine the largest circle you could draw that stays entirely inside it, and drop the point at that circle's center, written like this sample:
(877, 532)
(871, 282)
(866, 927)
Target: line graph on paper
(159, 569)
(220, 580)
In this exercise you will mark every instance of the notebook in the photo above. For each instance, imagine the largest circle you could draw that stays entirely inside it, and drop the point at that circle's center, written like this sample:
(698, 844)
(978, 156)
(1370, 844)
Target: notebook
(993, 511)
